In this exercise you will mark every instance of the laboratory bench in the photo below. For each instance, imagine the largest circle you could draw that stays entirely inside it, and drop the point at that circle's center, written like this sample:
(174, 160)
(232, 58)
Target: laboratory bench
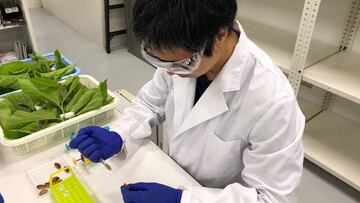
(148, 164)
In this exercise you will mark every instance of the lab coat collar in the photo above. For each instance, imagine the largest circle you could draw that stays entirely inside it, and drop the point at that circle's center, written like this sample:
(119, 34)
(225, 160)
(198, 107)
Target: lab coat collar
(212, 103)
(231, 74)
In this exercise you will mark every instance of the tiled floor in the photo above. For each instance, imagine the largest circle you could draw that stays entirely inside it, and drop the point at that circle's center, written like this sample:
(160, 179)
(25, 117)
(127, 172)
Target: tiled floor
(128, 72)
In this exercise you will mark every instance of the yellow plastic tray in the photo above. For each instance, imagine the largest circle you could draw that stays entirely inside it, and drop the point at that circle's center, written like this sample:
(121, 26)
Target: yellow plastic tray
(69, 190)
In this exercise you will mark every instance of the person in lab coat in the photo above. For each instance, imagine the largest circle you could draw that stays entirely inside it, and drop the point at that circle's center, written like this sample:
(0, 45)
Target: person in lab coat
(232, 119)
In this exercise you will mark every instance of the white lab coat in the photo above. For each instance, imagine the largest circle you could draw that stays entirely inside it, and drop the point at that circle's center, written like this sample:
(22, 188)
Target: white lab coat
(242, 139)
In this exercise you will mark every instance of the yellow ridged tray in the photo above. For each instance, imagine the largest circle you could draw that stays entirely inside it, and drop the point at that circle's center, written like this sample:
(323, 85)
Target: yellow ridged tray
(69, 190)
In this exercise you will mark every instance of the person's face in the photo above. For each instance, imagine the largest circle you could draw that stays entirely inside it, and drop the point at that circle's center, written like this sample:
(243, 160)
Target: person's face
(206, 64)
(179, 54)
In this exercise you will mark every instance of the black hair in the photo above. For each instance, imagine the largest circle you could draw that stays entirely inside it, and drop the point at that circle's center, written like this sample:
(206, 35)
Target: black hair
(186, 24)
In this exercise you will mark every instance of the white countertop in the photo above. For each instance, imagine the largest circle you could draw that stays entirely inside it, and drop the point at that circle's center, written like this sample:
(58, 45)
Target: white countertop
(148, 164)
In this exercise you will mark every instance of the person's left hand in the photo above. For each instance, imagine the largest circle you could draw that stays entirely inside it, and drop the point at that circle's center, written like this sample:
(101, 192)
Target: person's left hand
(150, 193)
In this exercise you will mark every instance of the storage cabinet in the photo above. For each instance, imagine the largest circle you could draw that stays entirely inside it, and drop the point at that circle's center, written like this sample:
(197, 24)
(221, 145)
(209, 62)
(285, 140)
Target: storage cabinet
(332, 138)
(273, 25)
(316, 43)
(10, 34)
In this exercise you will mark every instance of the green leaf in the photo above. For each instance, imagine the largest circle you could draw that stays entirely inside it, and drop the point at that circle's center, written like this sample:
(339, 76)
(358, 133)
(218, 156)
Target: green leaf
(10, 72)
(21, 118)
(42, 88)
(19, 112)
(6, 109)
(69, 80)
(98, 100)
(95, 102)
(10, 81)
(22, 132)
(44, 83)
(14, 68)
(72, 88)
(38, 67)
(52, 110)
(37, 57)
(21, 101)
(59, 64)
(57, 74)
(104, 93)
(41, 59)
(44, 64)
(83, 101)
(74, 100)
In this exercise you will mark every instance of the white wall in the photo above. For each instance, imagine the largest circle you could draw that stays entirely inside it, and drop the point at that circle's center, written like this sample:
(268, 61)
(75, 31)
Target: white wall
(87, 17)
(34, 3)
(26, 5)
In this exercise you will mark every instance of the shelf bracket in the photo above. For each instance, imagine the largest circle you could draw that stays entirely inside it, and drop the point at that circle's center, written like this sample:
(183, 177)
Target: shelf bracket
(307, 25)
(351, 26)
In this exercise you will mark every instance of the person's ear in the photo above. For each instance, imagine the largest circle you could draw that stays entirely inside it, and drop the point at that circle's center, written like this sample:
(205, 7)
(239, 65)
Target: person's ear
(221, 37)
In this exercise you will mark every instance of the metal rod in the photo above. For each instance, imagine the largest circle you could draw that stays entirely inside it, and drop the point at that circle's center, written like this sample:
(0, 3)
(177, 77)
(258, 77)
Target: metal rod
(116, 6)
(107, 166)
(107, 27)
(312, 117)
(118, 32)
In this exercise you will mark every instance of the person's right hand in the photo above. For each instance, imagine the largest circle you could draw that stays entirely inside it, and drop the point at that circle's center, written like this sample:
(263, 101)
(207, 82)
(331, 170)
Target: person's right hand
(97, 143)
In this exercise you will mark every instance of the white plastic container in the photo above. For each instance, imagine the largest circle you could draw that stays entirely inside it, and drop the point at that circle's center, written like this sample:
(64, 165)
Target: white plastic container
(63, 130)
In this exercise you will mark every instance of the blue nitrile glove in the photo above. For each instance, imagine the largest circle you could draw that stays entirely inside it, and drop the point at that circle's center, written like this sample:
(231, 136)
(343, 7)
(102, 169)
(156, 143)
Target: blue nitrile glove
(97, 143)
(1, 199)
(150, 193)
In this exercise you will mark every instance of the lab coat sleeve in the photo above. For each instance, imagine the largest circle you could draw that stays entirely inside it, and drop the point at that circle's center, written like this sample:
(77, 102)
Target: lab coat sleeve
(272, 162)
(146, 111)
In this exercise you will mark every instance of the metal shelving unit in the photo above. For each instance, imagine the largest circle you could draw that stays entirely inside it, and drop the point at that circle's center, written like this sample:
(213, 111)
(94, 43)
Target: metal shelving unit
(309, 56)
(9, 34)
(339, 74)
(9, 27)
(330, 140)
(109, 35)
(280, 46)
(277, 35)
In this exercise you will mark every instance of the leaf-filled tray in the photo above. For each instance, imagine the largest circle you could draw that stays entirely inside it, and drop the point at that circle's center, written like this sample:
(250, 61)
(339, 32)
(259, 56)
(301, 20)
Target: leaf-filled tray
(61, 114)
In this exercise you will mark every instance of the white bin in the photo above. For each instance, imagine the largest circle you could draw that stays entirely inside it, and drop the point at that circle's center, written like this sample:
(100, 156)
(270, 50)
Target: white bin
(64, 129)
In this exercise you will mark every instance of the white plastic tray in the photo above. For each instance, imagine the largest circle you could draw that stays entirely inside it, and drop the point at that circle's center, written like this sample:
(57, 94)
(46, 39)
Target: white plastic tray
(41, 175)
(103, 185)
(63, 130)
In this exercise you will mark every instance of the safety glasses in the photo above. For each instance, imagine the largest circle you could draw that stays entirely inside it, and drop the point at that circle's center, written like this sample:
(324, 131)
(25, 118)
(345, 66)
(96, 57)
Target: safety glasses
(185, 66)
